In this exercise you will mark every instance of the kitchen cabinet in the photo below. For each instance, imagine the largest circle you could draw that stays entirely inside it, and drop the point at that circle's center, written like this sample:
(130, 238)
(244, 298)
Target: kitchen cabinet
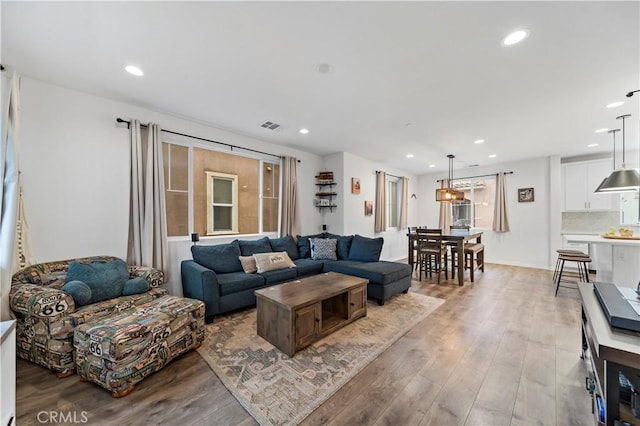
(580, 180)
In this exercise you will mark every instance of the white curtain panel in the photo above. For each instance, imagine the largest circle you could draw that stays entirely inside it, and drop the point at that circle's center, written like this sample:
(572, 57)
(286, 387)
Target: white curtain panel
(445, 210)
(10, 185)
(290, 218)
(500, 221)
(404, 202)
(147, 217)
(24, 249)
(381, 199)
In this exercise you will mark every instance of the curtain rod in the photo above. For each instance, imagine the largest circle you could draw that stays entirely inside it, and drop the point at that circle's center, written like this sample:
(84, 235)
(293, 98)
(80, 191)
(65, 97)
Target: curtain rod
(120, 120)
(389, 174)
(472, 177)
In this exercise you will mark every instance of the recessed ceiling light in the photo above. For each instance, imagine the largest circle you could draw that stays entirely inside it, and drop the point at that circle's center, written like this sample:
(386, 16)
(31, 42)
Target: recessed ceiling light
(133, 70)
(479, 141)
(492, 155)
(432, 165)
(515, 37)
(591, 145)
(615, 104)
(324, 68)
(605, 129)
(304, 131)
(409, 155)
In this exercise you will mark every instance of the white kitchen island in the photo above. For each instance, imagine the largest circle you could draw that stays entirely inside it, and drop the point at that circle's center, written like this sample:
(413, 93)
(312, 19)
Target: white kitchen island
(617, 261)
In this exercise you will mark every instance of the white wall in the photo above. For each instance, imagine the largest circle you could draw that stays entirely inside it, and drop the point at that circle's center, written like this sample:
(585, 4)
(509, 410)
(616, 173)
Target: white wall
(528, 242)
(349, 218)
(75, 168)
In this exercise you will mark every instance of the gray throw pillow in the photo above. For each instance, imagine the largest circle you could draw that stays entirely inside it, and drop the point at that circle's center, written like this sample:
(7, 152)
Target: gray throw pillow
(323, 248)
(266, 262)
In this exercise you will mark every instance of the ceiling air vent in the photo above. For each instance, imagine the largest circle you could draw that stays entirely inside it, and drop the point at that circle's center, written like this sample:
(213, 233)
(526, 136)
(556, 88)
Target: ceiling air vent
(270, 125)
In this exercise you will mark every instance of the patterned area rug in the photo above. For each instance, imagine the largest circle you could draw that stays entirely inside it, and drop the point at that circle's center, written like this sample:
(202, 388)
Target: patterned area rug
(278, 390)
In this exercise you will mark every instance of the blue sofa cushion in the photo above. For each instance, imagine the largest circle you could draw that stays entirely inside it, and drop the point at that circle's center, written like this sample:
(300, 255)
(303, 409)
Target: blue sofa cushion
(235, 282)
(250, 247)
(105, 279)
(344, 244)
(287, 244)
(279, 275)
(308, 266)
(220, 258)
(376, 272)
(80, 292)
(304, 247)
(365, 249)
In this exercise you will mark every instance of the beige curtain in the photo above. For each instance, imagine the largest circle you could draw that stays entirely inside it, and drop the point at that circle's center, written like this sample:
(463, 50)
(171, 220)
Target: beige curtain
(404, 202)
(290, 218)
(500, 222)
(381, 199)
(147, 216)
(445, 210)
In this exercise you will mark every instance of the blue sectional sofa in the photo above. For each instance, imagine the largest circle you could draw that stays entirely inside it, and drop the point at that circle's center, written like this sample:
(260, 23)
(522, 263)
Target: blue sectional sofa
(216, 274)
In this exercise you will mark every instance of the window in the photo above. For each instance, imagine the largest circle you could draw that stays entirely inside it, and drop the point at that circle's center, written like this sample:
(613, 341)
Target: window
(477, 208)
(215, 193)
(222, 203)
(392, 202)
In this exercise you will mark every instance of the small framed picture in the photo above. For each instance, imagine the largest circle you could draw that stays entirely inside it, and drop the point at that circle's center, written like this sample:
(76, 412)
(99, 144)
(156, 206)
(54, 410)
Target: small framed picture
(368, 208)
(525, 195)
(355, 185)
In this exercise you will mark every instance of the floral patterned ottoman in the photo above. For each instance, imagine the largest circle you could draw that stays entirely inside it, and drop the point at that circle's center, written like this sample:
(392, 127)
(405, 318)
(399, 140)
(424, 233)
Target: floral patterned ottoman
(120, 351)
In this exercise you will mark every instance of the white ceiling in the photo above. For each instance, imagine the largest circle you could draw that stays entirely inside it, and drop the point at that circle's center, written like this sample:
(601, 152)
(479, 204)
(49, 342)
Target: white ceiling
(437, 65)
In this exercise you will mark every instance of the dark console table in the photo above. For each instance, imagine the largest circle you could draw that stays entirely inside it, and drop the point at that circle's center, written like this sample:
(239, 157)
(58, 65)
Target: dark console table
(610, 351)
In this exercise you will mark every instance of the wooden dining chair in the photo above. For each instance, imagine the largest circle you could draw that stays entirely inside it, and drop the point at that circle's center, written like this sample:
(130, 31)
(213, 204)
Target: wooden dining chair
(432, 253)
(473, 254)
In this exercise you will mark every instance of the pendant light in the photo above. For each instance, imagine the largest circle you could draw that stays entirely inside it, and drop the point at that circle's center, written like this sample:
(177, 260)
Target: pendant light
(613, 132)
(622, 180)
(449, 194)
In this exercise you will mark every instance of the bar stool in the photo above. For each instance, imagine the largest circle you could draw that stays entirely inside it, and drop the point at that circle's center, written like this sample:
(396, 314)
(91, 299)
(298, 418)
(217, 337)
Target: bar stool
(563, 251)
(581, 260)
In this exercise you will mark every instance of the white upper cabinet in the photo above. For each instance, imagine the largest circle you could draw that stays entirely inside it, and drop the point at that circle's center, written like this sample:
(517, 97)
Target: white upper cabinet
(579, 182)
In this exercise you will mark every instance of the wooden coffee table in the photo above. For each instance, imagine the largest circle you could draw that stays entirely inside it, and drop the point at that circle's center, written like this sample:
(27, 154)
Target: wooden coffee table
(293, 315)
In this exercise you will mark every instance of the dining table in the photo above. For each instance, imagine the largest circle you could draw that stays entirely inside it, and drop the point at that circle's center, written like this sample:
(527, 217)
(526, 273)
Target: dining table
(459, 237)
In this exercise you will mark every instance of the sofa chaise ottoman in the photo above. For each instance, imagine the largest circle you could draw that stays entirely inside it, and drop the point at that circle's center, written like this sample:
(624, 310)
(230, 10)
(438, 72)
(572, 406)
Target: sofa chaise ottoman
(120, 351)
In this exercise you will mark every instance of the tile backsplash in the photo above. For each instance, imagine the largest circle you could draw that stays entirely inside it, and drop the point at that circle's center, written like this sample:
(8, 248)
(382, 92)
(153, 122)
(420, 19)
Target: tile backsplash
(596, 222)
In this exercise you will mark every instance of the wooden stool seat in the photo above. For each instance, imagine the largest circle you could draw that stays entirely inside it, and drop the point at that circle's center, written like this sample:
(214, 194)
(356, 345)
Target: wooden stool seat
(581, 260)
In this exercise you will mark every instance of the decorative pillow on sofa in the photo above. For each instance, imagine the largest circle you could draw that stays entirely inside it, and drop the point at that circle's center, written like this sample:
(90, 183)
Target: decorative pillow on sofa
(221, 258)
(250, 247)
(287, 244)
(323, 248)
(304, 249)
(105, 280)
(248, 264)
(365, 249)
(271, 261)
(135, 285)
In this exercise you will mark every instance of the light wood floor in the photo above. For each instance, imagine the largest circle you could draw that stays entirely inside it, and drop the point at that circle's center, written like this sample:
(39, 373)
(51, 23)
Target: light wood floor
(500, 351)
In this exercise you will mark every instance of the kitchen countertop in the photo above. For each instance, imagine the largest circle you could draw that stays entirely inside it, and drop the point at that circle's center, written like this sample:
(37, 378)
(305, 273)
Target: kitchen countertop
(597, 239)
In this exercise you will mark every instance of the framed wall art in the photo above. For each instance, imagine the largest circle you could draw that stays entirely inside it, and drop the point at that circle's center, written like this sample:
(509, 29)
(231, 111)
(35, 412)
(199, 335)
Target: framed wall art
(355, 185)
(525, 195)
(368, 208)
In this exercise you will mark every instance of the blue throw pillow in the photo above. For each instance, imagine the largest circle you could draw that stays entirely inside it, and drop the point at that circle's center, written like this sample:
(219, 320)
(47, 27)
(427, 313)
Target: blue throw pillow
(135, 285)
(251, 247)
(344, 245)
(287, 244)
(105, 279)
(221, 258)
(80, 292)
(365, 249)
(304, 249)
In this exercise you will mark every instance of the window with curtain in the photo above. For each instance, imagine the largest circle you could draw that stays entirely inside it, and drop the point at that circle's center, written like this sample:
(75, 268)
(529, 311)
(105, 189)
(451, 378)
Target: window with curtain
(477, 208)
(257, 196)
(393, 202)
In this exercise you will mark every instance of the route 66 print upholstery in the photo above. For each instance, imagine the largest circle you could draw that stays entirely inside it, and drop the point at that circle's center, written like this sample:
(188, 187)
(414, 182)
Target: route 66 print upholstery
(47, 316)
